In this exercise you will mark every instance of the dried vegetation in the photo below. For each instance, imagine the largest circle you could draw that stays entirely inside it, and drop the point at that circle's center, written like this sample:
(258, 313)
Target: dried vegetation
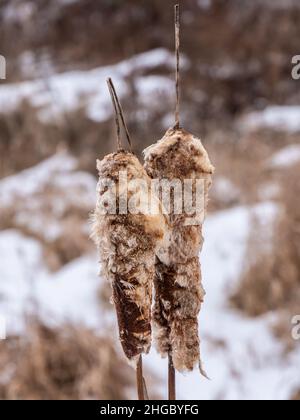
(65, 363)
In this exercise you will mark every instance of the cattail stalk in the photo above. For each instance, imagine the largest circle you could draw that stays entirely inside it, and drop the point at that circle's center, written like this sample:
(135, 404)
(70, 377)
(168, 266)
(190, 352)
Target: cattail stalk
(177, 53)
(127, 245)
(171, 379)
(140, 379)
(178, 283)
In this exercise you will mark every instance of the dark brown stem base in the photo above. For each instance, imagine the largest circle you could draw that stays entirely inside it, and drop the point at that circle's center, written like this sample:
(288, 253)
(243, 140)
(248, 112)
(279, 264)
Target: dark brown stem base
(171, 380)
(140, 383)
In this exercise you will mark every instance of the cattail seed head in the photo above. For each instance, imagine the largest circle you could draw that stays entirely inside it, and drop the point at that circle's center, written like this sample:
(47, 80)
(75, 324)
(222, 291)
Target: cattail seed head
(127, 245)
(178, 283)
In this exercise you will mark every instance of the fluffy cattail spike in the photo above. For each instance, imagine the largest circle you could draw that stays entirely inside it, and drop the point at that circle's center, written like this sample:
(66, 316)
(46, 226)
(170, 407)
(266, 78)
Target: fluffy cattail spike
(178, 283)
(127, 243)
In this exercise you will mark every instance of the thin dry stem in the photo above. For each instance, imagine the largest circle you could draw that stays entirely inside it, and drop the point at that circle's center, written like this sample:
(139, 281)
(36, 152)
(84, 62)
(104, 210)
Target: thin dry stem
(119, 113)
(177, 53)
(111, 91)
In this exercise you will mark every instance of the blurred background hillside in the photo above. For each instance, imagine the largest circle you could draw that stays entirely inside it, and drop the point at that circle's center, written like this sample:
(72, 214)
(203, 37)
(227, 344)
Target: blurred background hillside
(239, 96)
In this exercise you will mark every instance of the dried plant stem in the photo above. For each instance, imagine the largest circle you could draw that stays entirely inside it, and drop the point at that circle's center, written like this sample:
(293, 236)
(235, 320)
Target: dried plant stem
(171, 379)
(131, 280)
(171, 370)
(145, 390)
(177, 53)
(140, 382)
(119, 114)
(111, 91)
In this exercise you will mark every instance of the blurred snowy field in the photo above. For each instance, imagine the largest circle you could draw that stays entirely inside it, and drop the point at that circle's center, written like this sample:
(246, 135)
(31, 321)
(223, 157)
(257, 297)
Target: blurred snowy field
(51, 201)
(61, 93)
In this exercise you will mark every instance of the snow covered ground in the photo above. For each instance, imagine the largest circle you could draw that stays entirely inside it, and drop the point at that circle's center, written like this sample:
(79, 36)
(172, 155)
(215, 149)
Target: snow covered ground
(286, 157)
(279, 118)
(241, 357)
(58, 170)
(26, 284)
(65, 92)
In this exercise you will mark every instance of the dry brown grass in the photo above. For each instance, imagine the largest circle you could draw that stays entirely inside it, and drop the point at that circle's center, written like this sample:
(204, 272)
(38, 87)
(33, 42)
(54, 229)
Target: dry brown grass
(64, 363)
(272, 278)
(240, 157)
(26, 141)
(296, 396)
(71, 243)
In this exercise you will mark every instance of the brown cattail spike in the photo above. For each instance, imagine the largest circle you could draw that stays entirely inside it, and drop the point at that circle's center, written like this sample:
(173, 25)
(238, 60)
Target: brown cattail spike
(177, 53)
(127, 243)
(119, 114)
(178, 282)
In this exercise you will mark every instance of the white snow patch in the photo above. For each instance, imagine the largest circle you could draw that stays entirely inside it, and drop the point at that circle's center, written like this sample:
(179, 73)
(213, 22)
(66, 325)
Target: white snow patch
(20, 261)
(69, 91)
(269, 191)
(204, 4)
(32, 180)
(149, 84)
(72, 294)
(26, 285)
(19, 12)
(225, 191)
(40, 197)
(58, 171)
(278, 118)
(286, 157)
